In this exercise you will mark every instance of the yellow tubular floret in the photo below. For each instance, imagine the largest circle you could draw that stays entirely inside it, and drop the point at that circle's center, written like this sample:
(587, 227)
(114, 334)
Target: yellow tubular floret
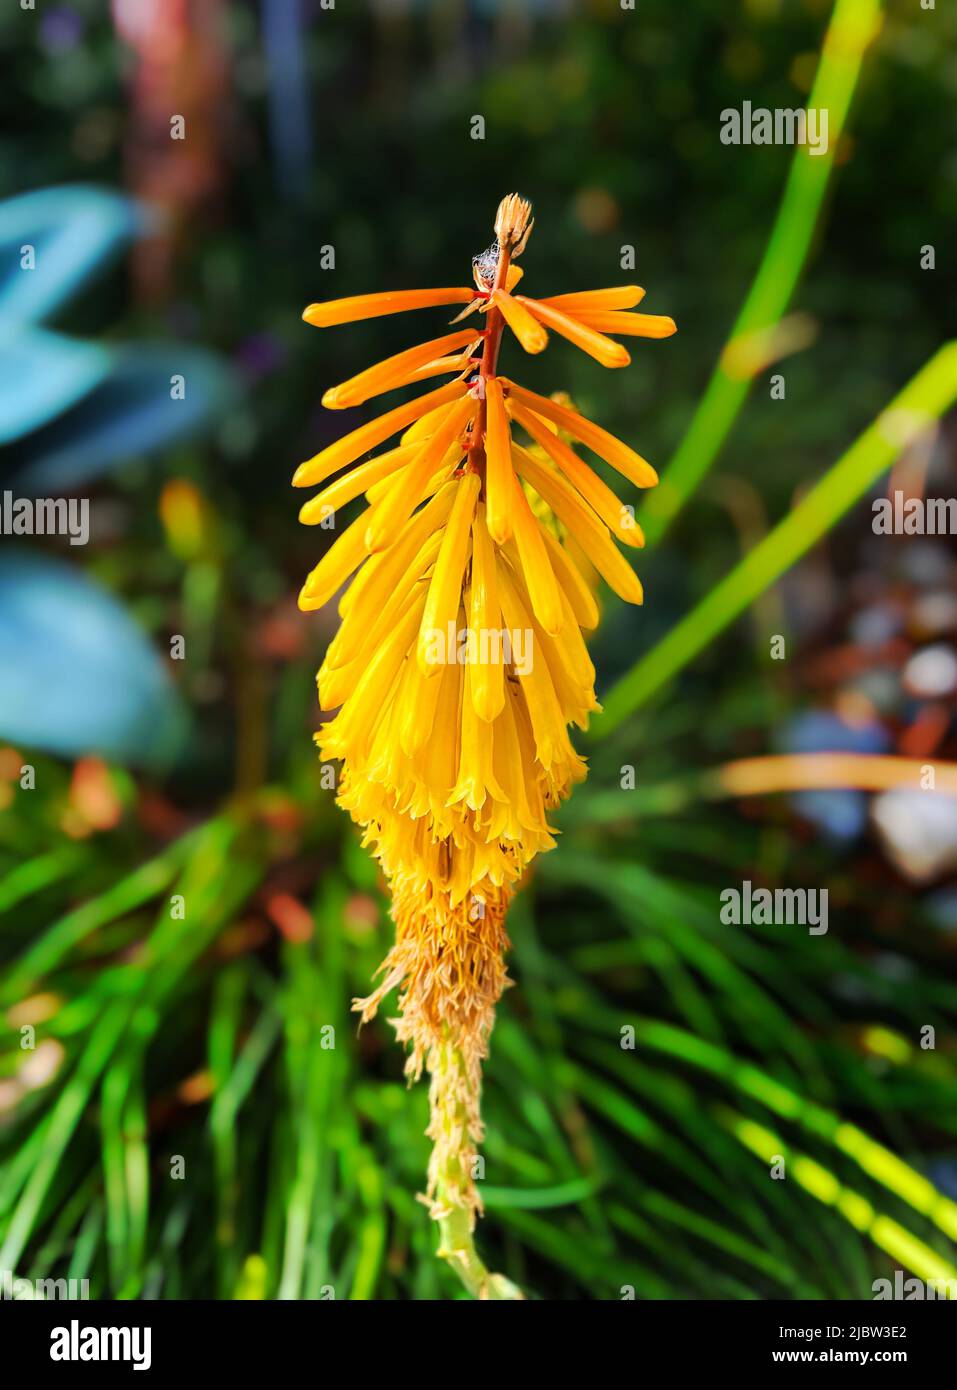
(568, 504)
(445, 589)
(486, 680)
(604, 350)
(610, 508)
(441, 475)
(364, 637)
(372, 306)
(573, 586)
(605, 445)
(378, 576)
(475, 780)
(536, 566)
(415, 709)
(498, 463)
(573, 648)
(359, 716)
(591, 533)
(351, 484)
(426, 424)
(344, 555)
(377, 490)
(548, 726)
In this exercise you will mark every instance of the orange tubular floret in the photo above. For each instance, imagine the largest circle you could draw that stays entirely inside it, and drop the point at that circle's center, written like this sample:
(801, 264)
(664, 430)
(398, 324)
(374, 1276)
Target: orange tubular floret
(350, 446)
(373, 306)
(360, 479)
(530, 334)
(630, 325)
(391, 512)
(596, 301)
(604, 350)
(609, 507)
(458, 362)
(392, 370)
(612, 450)
(589, 530)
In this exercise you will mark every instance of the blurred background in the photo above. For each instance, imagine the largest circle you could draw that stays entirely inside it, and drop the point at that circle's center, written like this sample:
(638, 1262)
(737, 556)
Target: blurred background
(183, 910)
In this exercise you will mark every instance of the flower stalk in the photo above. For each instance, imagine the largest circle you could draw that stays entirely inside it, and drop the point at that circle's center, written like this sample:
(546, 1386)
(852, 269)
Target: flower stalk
(450, 1178)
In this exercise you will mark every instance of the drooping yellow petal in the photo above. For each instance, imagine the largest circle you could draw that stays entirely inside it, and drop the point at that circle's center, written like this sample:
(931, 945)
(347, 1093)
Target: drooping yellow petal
(415, 709)
(344, 555)
(630, 325)
(514, 763)
(605, 445)
(576, 699)
(426, 425)
(498, 463)
(619, 518)
(440, 752)
(589, 575)
(551, 737)
(351, 484)
(486, 679)
(574, 651)
(445, 589)
(573, 585)
(604, 350)
(530, 334)
(596, 301)
(553, 487)
(351, 446)
(359, 637)
(390, 372)
(359, 717)
(475, 781)
(451, 457)
(536, 565)
(591, 533)
(392, 511)
(372, 306)
(378, 576)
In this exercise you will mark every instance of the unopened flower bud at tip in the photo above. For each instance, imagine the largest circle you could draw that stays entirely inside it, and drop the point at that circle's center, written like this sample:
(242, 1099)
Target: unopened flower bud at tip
(513, 223)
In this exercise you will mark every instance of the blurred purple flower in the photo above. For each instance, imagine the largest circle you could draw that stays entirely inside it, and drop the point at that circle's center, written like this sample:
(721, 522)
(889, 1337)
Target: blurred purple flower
(260, 354)
(60, 29)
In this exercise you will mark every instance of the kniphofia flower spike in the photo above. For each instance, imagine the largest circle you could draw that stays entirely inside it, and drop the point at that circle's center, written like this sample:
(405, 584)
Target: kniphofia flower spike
(459, 663)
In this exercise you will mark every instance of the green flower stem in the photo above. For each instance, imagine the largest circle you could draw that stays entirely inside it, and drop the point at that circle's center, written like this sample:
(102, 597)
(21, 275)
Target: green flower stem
(456, 1242)
(854, 23)
(458, 1249)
